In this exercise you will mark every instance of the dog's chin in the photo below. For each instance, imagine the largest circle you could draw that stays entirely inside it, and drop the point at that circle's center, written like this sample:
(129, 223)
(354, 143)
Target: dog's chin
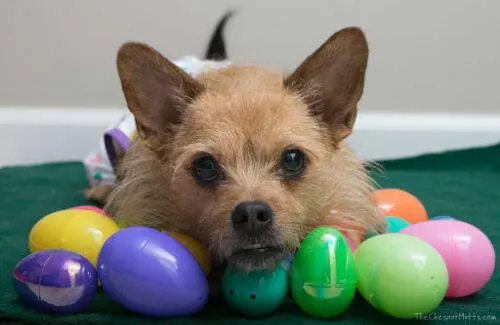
(257, 258)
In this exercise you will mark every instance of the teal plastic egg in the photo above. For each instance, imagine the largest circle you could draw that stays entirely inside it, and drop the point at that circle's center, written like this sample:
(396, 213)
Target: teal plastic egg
(401, 275)
(257, 293)
(323, 274)
(394, 225)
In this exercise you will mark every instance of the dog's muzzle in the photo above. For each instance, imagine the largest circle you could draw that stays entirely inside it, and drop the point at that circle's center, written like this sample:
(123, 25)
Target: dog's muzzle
(257, 246)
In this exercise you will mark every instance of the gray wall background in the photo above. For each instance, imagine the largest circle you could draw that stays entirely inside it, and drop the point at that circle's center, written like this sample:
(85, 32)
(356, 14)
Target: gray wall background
(426, 55)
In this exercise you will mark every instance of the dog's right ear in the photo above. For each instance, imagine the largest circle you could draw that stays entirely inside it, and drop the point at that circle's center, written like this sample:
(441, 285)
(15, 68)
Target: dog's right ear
(156, 90)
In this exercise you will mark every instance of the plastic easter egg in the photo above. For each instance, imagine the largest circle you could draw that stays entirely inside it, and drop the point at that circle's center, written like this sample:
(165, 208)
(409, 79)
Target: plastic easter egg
(257, 293)
(323, 274)
(55, 281)
(287, 263)
(398, 203)
(351, 244)
(121, 224)
(442, 218)
(401, 275)
(355, 233)
(90, 208)
(80, 231)
(152, 274)
(469, 255)
(196, 248)
(394, 225)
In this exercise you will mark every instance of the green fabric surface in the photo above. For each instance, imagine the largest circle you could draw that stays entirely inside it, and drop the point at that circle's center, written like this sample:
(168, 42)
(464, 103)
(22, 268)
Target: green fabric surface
(464, 184)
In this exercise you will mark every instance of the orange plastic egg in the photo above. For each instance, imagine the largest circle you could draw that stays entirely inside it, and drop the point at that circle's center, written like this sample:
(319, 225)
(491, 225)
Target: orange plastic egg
(399, 203)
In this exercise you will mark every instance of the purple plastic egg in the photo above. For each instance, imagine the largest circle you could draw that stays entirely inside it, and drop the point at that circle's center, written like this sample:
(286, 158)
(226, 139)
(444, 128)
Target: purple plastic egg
(151, 273)
(55, 281)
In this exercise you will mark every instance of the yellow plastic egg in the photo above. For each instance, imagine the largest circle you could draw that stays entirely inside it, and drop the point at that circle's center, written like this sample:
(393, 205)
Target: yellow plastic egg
(121, 224)
(196, 248)
(80, 231)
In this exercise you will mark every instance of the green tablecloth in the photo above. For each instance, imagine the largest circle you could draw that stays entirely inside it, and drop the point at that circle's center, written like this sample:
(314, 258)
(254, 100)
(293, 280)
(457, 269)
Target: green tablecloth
(465, 184)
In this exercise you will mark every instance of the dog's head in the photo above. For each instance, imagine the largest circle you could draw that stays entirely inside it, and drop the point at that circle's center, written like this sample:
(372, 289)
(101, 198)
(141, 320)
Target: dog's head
(254, 160)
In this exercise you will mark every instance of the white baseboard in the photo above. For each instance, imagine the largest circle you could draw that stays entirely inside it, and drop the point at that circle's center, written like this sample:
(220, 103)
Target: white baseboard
(39, 135)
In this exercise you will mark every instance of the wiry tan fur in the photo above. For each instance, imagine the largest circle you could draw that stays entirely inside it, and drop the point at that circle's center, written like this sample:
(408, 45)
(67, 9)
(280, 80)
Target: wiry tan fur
(245, 116)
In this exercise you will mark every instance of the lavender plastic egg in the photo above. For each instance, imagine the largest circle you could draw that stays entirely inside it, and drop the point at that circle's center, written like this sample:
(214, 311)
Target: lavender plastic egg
(151, 273)
(55, 281)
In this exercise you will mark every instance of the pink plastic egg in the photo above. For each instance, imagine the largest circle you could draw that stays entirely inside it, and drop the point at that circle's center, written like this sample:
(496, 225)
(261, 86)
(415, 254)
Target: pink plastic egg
(90, 208)
(351, 244)
(469, 255)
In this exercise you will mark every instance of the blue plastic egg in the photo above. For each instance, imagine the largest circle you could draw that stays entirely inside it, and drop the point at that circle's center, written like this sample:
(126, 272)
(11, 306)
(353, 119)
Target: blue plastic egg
(443, 218)
(257, 293)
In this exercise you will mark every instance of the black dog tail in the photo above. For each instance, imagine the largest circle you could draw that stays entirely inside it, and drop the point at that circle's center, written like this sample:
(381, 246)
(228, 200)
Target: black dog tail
(217, 47)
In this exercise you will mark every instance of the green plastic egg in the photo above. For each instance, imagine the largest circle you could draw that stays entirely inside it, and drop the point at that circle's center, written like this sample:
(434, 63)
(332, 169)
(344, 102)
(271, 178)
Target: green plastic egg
(323, 274)
(401, 275)
(257, 293)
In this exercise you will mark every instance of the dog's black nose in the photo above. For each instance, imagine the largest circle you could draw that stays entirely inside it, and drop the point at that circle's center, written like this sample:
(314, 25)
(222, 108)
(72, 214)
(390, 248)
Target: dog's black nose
(252, 216)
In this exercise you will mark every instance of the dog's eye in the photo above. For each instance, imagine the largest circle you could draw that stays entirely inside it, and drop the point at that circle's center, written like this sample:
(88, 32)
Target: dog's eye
(293, 163)
(206, 169)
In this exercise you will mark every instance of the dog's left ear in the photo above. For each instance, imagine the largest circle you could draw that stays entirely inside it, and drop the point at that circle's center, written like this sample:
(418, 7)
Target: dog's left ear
(331, 80)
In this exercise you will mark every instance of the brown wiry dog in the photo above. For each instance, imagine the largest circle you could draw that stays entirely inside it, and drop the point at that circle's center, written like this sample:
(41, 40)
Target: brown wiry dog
(244, 159)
